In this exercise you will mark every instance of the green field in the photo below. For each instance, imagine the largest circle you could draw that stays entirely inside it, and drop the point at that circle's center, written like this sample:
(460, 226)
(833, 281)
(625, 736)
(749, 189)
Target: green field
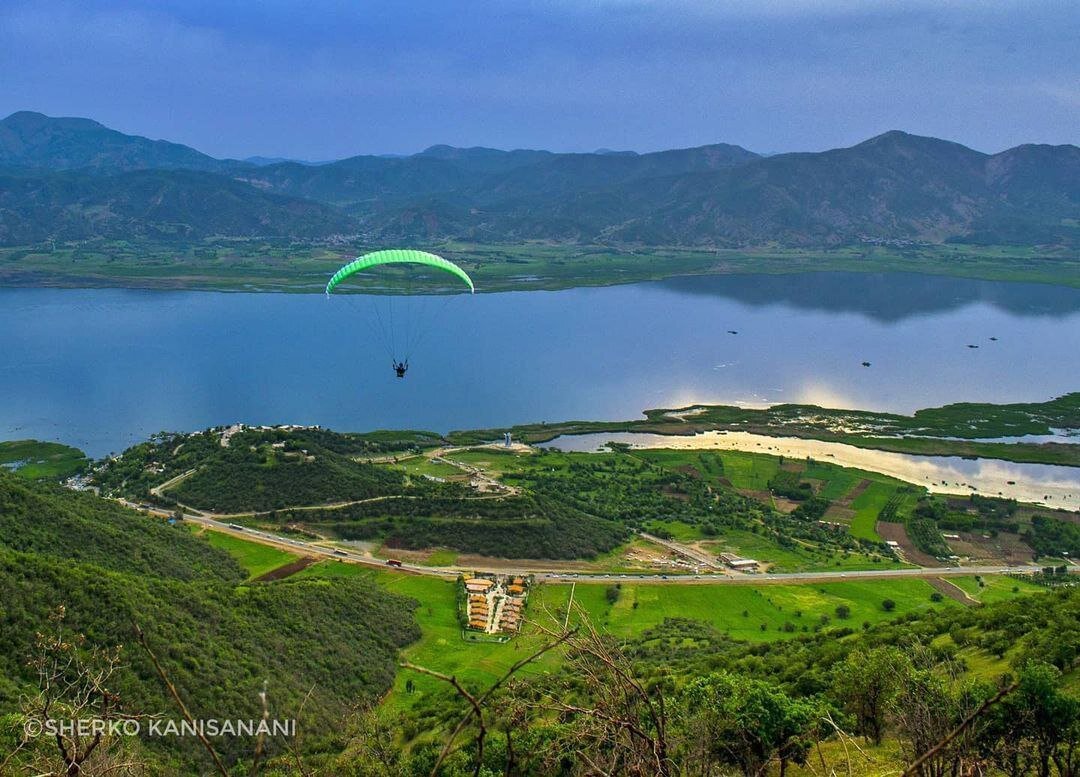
(494, 460)
(256, 559)
(441, 647)
(753, 471)
(680, 531)
(421, 465)
(995, 588)
(801, 557)
(36, 459)
(441, 558)
(867, 506)
(643, 605)
(639, 607)
(284, 265)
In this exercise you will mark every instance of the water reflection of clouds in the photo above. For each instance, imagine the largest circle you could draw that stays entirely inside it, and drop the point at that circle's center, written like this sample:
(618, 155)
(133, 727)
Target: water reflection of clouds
(883, 297)
(823, 395)
(107, 364)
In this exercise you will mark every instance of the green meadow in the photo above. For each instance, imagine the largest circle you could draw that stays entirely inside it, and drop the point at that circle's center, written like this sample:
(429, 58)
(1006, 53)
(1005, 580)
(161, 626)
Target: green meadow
(750, 612)
(421, 465)
(995, 588)
(42, 460)
(284, 265)
(755, 613)
(256, 559)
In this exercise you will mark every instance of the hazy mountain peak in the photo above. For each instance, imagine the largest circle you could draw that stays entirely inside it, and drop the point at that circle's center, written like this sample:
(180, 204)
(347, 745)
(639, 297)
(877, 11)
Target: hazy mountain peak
(30, 139)
(32, 120)
(900, 140)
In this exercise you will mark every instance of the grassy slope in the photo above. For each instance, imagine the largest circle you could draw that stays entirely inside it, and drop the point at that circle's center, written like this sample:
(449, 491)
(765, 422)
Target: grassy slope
(723, 606)
(256, 558)
(995, 588)
(110, 567)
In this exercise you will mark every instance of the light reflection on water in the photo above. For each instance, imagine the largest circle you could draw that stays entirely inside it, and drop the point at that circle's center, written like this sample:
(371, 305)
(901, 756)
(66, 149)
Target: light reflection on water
(104, 368)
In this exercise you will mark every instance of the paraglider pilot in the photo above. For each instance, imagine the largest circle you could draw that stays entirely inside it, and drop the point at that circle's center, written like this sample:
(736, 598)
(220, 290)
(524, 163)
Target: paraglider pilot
(401, 368)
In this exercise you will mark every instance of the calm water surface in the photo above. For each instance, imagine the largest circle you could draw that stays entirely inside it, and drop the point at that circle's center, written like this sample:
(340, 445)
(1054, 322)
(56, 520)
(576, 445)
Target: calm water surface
(104, 368)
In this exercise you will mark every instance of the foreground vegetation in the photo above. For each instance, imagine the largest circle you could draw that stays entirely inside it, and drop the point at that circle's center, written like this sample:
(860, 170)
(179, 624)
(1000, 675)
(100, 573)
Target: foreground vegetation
(833, 668)
(851, 684)
(76, 564)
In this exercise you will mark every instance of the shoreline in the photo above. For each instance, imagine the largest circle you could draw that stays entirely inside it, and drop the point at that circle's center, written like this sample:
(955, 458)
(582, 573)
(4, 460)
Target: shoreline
(262, 267)
(941, 474)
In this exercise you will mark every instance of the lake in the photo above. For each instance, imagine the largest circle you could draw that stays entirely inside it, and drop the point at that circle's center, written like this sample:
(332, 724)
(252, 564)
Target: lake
(104, 368)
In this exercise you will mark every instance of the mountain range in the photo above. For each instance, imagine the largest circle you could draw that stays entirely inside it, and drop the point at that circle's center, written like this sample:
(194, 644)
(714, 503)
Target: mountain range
(71, 179)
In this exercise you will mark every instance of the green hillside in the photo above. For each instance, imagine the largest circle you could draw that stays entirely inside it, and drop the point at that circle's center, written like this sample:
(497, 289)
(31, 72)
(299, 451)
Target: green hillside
(258, 470)
(219, 640)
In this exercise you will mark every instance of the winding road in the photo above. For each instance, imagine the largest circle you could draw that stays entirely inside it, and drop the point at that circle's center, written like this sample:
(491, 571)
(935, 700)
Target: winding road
(725, 577)
(715, 574)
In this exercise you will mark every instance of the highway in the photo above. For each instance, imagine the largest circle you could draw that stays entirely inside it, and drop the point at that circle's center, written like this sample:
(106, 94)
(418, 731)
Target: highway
(725, 577)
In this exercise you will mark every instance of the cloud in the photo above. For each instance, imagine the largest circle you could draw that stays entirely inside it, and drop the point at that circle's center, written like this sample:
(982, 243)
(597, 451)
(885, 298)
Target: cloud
(333, 78)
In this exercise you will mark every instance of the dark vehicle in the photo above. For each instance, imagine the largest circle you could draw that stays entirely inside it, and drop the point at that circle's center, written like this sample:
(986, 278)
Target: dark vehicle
(393, 562)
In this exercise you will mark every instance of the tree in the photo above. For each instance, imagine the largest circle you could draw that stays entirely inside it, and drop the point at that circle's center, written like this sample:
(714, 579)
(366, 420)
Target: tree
(74, 687)
(843, 612)
(734, 720)
(1036, 729)
(865, 684)
(610, 720)
(888, 605)
(929, 704)
(371, 748)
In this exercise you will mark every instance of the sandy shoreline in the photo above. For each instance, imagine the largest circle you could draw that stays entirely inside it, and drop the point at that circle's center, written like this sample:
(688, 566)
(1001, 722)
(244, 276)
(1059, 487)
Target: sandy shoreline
(1052, 485)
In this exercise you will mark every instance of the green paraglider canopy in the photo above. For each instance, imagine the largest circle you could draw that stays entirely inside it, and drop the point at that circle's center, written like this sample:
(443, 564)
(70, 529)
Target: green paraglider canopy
(398, 256)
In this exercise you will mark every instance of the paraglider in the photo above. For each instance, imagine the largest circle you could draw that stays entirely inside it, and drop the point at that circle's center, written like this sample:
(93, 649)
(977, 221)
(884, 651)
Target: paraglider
(402, 266)
(397, 256)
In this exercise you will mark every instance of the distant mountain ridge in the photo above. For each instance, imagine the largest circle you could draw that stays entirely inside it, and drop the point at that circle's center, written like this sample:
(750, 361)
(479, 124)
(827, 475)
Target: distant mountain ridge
(69, 179)
(34, 140)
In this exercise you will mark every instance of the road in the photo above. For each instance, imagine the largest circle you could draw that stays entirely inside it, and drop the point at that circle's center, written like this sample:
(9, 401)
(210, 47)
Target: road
(449, 573)
(685, 551)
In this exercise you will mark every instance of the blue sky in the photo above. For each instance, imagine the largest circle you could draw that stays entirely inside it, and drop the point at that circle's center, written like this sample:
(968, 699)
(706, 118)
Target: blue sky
(325, 79)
